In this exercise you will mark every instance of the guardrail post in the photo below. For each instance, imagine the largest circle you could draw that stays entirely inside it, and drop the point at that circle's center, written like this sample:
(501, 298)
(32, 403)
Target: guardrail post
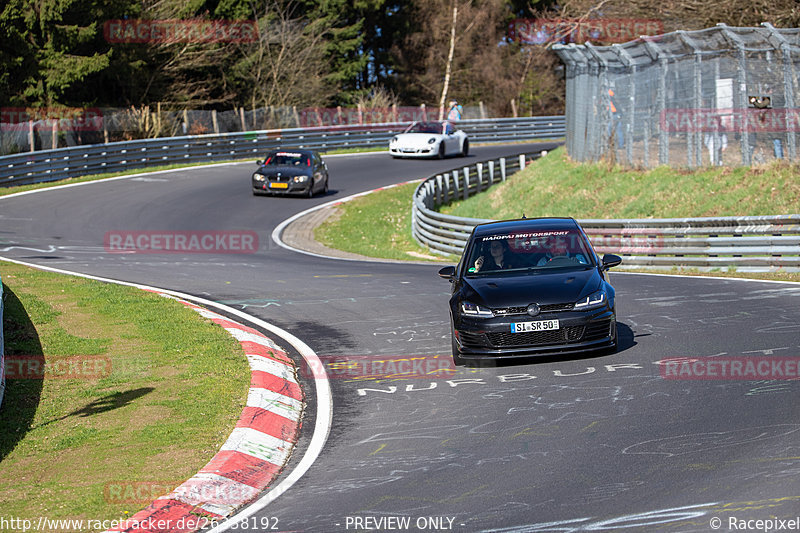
(466, 182)
(491, 173)
(521, 161)
(439, 192)
(456, 184)
(502, 169)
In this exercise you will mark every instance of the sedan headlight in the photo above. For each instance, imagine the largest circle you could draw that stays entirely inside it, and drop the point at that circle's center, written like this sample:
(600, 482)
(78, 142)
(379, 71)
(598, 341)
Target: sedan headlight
(300, 179)
(258, 177)
(432, 140)
(596, 299)
(471, 309)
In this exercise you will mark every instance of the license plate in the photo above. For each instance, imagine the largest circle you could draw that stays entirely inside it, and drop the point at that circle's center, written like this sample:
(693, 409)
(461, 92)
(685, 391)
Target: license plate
(539, 325)
(278, 185)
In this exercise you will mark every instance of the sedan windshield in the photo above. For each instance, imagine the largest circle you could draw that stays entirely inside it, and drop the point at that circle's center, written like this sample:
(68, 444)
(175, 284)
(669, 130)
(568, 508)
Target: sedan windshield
(425, 127)
(534, 250)
(288, 159)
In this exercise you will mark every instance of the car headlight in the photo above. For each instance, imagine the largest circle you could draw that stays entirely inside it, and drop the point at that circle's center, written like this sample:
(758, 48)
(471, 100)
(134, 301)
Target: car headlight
(394, 139)
(432, 140)
(471, 309)
(300, 179)
(258, 177)
(596, 299)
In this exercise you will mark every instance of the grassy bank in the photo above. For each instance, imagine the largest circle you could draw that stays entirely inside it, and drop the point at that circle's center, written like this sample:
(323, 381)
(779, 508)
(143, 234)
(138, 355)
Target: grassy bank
(376, 225)
(166, 395)
(556, 186)
(379, 224)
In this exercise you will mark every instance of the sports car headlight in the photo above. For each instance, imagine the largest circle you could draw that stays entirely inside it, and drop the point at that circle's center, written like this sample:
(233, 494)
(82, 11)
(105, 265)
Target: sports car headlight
(432, 140)
(300, 179)
(596, 299)
(258, 177)
(394, 139)
(471, 309)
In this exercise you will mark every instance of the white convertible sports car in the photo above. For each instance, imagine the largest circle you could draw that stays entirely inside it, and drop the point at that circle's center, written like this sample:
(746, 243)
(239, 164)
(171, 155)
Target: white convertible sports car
(430, 139)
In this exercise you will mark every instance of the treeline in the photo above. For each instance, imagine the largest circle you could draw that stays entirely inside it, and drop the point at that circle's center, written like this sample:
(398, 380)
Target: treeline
(325, 53)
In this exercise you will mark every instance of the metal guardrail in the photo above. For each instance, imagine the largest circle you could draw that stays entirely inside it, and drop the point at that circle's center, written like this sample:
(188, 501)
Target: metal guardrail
(757, 243)
(50, 165)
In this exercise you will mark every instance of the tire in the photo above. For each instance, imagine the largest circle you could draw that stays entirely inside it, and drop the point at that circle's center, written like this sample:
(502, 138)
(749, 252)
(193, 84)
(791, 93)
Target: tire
(325, 190)
(310, 193)
(465, 148)
(441, 150)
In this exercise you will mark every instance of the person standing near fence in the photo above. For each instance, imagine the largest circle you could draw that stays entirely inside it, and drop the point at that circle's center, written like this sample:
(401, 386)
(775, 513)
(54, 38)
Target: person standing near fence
(614, 124)
(454, 114)
(716, 141)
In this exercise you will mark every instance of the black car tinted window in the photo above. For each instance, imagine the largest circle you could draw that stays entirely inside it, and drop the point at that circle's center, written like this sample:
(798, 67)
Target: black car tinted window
(288, 159)
(525, 250)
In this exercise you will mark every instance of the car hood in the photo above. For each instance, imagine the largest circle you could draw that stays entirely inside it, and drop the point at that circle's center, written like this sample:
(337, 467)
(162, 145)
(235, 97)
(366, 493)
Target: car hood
(271, 171)
(516, 290)
(416, 139)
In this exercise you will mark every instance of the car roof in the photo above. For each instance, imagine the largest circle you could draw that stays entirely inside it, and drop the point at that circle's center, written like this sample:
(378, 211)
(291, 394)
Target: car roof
(302, 151)
(524, 225)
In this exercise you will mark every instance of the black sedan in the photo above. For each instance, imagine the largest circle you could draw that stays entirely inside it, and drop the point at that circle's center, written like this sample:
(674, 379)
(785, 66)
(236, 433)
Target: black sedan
(529, 287)
(291, 172)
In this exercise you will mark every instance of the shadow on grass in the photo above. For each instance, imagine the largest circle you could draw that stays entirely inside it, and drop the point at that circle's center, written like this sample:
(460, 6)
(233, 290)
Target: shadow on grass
(22, 396)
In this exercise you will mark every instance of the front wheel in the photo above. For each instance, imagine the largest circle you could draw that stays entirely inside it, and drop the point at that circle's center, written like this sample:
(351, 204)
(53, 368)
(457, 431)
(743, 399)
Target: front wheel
(465, 148)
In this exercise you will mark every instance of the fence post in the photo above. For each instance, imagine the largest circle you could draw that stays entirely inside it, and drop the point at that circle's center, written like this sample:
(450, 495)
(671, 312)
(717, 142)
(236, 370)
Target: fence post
(466, 183)
(521, 161)
(491, 173)
(502, 169)
(438, 197)
(480, 177)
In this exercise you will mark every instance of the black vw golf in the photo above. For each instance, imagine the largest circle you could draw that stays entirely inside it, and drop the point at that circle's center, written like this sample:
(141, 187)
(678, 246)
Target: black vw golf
(291, 172)
(530, 286)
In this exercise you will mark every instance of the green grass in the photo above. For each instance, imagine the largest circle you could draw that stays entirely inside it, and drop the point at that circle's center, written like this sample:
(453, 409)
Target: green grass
(376, 225)
(176, 387)
(556, 186)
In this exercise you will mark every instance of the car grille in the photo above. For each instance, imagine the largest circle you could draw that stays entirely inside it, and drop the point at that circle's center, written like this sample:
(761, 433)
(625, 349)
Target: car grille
(598, 330)
(544, 308)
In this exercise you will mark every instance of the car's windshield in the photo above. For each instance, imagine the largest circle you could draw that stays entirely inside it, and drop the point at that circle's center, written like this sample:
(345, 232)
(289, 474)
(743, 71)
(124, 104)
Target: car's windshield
(527, 251)
(290, 159)
(425, 127)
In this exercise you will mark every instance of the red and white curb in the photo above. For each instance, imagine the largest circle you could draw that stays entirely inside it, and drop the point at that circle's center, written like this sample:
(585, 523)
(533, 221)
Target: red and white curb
(255, 452)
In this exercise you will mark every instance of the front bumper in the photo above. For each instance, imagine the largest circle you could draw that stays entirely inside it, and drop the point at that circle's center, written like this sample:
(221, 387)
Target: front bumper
(427, 151)
(578, 332)
(267, 187)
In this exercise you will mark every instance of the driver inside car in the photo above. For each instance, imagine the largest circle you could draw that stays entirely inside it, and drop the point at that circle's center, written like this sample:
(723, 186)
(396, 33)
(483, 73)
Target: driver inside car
(557, 247)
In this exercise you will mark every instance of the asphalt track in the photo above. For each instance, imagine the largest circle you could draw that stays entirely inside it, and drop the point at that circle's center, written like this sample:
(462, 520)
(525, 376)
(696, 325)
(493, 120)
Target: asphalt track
(572, 444)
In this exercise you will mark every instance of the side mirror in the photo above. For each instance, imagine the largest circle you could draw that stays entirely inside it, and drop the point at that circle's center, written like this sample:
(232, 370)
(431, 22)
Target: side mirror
(448, 272)
(610, 261)
(259, 162)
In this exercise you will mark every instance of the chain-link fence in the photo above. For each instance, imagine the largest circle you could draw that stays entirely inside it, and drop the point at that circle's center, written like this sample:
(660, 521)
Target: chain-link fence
(722, 95)
(34, 129)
